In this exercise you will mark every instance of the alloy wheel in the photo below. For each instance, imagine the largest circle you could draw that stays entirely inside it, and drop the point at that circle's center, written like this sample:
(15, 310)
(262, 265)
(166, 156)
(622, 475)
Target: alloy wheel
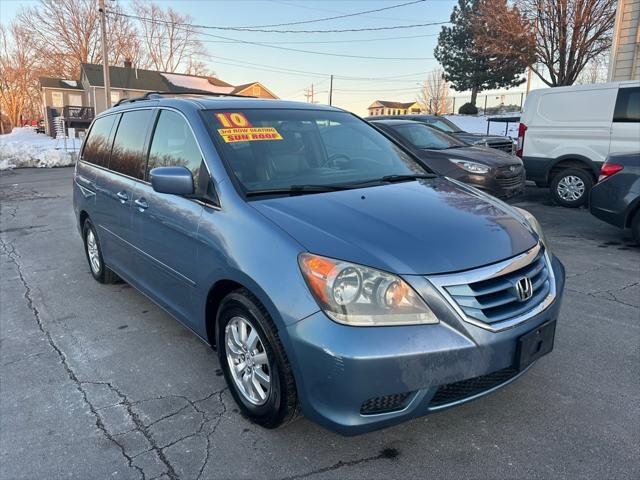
(248, 361)
(571, 188)
(92, 251)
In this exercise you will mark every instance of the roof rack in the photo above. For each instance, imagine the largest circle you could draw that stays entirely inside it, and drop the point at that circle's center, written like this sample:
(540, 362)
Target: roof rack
(158, 94)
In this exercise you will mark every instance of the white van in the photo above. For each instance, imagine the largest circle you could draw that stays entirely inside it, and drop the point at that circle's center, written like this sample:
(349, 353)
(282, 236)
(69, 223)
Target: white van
(566, 134)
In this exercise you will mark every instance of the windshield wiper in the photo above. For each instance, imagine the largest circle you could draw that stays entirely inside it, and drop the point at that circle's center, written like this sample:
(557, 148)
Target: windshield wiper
(407, 177)
(298, 190)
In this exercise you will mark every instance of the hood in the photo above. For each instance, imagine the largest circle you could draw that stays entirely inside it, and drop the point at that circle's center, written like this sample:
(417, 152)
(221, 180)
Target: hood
(484, 155)
(479, 137)
(420, 227)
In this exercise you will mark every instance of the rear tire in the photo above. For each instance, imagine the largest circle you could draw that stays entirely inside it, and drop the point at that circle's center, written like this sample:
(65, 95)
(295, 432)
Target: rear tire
(264, 389)
(635, 227)
(571, 187)
(93, 251)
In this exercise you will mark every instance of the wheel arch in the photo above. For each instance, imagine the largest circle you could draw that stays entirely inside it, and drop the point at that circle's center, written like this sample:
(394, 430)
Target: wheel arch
(572, 161)
(632, 210)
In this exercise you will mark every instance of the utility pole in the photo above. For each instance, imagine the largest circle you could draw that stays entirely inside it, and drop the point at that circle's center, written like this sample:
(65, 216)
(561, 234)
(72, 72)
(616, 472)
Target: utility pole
(331, 90)
(105, 58)
(310, 95)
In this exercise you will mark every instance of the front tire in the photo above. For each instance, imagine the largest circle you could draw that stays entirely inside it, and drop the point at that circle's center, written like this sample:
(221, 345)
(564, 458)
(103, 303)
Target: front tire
(635, 227)
(254, 362)
(571, 187)
(93, 251)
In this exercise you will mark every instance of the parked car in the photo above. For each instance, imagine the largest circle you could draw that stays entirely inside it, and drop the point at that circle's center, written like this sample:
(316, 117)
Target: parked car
(494, 172)
(330, 269)
(616, 197)
(566, 133)
(40, 126)
(497, 142)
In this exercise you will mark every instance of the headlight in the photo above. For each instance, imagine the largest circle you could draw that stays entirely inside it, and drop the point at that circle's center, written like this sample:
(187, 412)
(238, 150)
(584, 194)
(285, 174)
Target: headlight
(361, 296)
(535, 226)
(472, 167)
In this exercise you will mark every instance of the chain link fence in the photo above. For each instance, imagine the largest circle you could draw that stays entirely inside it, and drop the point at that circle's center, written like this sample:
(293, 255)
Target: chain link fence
(489, 103)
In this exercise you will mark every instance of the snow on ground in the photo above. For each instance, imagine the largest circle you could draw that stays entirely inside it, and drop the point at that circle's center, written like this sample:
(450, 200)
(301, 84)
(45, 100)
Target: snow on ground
(478, 124)
(23, 147)
(194, 83)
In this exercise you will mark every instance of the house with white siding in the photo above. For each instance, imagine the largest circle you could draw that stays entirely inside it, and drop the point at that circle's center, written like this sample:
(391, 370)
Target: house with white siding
(625, 51)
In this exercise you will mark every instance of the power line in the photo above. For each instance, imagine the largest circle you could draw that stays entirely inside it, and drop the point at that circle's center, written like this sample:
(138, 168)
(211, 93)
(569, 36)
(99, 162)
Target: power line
(237, 29)
(335, 17)
(267, 45)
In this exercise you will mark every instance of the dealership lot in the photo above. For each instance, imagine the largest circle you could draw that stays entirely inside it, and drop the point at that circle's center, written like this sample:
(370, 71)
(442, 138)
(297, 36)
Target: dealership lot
(98, 382)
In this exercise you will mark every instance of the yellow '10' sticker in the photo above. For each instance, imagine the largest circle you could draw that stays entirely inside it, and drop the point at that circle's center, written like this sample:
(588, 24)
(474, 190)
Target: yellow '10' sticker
(238, 129)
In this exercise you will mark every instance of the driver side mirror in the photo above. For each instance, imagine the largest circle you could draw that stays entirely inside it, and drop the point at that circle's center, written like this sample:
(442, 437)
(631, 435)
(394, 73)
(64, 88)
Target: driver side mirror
(172, 180)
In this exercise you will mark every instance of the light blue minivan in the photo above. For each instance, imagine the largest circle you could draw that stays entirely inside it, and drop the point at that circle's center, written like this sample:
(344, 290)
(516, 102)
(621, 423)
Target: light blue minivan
(332, 271)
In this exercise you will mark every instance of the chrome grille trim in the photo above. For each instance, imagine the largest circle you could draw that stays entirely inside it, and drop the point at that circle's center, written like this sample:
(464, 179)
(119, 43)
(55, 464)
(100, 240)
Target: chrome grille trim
(442, 282)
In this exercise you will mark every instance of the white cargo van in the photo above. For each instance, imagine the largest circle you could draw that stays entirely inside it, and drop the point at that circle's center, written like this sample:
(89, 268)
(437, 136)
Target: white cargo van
(566, 134)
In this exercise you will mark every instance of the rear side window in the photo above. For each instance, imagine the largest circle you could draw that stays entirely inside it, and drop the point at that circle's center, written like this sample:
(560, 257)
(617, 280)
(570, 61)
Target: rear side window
(627, 105)
(127, 155)
(174, 145)
(96, 148)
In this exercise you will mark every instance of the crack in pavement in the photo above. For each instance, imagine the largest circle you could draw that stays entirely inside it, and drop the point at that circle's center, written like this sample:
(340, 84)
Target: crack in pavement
(385, 454)
(609, 295)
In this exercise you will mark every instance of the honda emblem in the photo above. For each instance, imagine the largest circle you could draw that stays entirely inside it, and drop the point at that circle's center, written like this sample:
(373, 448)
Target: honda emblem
(524, 289)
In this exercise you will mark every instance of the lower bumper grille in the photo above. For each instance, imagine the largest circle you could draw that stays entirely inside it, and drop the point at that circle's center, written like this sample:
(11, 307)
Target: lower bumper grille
(510, 182)
(453, 392)
(385, 403)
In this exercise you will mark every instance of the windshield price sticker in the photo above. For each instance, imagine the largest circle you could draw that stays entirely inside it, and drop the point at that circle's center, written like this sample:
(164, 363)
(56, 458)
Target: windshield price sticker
(238, 129)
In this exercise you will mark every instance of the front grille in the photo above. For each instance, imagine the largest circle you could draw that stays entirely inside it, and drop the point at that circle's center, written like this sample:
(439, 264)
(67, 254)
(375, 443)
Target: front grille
(510, 182)
(385, 403)
(495, 299)
(505, 146)
(453, 392)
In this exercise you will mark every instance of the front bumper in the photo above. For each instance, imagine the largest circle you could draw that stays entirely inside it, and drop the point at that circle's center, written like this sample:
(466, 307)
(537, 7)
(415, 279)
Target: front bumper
(503, 188)
(339, 368)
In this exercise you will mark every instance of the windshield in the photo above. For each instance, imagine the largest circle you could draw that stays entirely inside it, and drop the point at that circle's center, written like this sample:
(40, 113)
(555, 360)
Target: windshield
(284, 149)
(444, 125)
(422, 136)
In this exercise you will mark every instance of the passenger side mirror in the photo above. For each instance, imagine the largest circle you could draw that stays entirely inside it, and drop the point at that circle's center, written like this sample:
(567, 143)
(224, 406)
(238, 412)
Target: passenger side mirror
(172, 180)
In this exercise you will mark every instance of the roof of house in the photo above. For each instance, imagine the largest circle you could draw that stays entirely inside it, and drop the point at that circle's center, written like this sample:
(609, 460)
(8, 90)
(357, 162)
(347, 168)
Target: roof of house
(130, 78)
(59, 83)
(385, 103)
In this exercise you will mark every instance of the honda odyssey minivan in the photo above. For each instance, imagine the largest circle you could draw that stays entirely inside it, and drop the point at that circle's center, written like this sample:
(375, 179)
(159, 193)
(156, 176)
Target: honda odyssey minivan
(332, 272)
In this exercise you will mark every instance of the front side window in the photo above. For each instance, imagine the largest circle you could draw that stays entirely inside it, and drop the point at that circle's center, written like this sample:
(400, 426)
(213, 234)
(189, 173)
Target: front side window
(422, 136)
(127, 155)
(627, 105)
(285, 149)
(174, 145)
(96, 147)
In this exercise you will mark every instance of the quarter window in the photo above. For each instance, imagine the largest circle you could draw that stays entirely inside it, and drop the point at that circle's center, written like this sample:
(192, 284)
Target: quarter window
(627, 105)
(96, 148)
(173, 144)
(127, 156)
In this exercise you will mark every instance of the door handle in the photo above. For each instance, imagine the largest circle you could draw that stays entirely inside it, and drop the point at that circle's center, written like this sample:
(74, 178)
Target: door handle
(141, 203)
(122, 196)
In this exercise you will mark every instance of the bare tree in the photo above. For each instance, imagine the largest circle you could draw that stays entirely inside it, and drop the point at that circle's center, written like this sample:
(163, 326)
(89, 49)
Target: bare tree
(595, 71)
(169, 45)
(569, 33)
(18, 75)
(66, 34)
(434, 94)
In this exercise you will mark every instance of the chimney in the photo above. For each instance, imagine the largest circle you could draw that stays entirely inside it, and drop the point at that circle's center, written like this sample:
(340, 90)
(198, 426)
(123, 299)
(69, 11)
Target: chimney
(127, 63)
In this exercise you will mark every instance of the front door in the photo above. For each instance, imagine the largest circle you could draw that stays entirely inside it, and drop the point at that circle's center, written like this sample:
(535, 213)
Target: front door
(166, 226)
(625, 128)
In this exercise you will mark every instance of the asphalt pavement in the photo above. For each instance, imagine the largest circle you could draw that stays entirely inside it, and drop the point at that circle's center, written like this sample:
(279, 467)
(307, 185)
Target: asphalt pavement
(98, 382)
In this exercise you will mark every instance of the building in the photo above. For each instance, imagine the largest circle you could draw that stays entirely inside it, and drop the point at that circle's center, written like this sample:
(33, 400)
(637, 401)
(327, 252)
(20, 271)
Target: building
(624, 63)
(382, 107)
(78, 101)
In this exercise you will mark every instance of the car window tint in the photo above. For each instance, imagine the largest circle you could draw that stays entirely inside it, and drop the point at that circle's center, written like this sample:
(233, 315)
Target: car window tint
(96, 148)
(174, 145)
(127, 155)
(278, 149)
(421, 136)
(627, 105)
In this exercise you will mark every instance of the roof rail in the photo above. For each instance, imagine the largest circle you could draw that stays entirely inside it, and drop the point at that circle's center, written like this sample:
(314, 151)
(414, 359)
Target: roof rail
(158, 94)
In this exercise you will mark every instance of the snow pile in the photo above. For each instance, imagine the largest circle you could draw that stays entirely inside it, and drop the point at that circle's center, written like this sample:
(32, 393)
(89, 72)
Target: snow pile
(71, 83)
(194, 83)
(23, 147)
(478, 124)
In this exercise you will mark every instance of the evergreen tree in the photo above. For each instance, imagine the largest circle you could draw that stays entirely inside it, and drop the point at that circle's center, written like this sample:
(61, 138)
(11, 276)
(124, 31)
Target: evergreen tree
(465, 64)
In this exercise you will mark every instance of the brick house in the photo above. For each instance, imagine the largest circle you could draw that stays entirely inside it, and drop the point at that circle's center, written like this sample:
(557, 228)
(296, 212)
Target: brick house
(78, 101)
(382, 107)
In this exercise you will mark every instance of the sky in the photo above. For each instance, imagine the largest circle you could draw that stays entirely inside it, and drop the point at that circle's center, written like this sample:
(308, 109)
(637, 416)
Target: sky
(409, 60)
